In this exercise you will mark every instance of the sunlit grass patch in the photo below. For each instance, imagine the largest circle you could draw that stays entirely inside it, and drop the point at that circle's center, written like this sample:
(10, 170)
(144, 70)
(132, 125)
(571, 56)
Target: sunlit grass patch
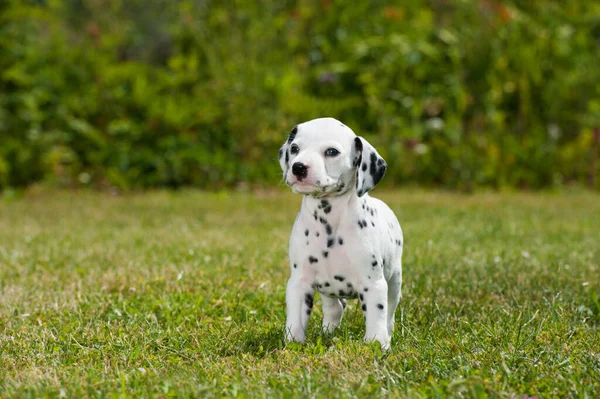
(183, 293)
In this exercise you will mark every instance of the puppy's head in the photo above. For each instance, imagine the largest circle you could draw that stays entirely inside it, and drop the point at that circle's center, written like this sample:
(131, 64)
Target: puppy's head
(324, 157)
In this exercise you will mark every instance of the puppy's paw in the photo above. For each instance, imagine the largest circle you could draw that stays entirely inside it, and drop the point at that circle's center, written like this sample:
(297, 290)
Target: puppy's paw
(382, 338)
(329, 327)
(294, 335)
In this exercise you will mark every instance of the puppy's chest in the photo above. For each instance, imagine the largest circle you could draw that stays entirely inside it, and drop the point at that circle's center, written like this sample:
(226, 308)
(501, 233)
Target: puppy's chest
(329, 264)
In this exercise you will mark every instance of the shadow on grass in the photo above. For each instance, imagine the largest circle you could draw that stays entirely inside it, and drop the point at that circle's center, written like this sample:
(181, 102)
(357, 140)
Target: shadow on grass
(269, 339)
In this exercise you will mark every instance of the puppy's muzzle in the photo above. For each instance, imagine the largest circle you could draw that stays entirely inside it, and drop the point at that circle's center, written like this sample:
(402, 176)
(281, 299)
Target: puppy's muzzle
(300, 170)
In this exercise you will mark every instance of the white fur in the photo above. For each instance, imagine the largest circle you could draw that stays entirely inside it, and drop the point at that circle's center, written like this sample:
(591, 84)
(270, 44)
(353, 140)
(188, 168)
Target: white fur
(344, 244)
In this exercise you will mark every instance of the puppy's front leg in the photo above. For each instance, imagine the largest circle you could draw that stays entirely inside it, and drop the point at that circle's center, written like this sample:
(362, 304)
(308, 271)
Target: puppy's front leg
(299, 301)
(374, 306)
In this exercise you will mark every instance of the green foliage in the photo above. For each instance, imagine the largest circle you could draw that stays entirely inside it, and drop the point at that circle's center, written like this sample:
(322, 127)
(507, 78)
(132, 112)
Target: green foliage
(182, 295)
(199, 92)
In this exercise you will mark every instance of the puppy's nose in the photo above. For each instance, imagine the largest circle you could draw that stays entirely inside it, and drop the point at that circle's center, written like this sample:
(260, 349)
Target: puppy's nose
(299, 170)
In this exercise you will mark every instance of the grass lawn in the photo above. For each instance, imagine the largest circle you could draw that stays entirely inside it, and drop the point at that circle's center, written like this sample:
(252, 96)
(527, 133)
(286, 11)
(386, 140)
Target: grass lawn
(183, 294)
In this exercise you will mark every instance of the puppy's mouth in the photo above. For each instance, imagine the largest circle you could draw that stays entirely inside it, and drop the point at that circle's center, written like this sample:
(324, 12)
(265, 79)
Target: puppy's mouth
(304, 187)
(316, 189)
(304, 183)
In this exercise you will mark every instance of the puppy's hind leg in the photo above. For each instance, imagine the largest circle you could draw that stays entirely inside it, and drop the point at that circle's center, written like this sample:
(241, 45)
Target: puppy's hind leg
(333, 311)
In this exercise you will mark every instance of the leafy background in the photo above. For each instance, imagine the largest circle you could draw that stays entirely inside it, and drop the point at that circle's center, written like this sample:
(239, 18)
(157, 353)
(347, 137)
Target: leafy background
(135, 94)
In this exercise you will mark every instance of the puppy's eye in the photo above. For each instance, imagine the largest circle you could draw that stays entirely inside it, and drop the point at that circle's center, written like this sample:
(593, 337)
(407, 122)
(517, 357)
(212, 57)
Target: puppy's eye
(331, 152)
(294, 150)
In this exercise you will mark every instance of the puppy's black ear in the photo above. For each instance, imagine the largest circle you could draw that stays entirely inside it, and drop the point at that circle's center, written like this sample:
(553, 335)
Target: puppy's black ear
(284, 151)
(370, 166)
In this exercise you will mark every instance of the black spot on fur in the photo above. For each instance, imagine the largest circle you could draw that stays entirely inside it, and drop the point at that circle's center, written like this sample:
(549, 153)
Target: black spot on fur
(362, 223)
(349, 285)
(380, 306)
(340, 241)
(292, 135)
(325, 205)
(317, 234)
(361, 297)
(339, 278)
(374, 263)
(287, 156)
(315, 215)
(328, 229)
(326, 284)
(308, 300)
(364, 307)
(308, 311)
(330, 242)
(312, 259)
(366, 289)
(280, 153)
(399, 243)
(325, 253)
(341, 187)
(319, 285)
(372, 213)
(342, 293)
(295, 265)
(306, 232)
(380, 171)
(364, 166)
(373, 224)
(373, 164)
(358, 144)
(322, 220)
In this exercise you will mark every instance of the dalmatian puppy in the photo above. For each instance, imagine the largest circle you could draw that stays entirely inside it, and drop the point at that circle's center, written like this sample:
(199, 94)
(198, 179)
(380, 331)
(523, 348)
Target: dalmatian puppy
(344, 243)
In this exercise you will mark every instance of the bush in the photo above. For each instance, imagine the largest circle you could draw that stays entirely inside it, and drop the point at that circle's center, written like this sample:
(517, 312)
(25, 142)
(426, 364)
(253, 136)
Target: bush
(141, 94)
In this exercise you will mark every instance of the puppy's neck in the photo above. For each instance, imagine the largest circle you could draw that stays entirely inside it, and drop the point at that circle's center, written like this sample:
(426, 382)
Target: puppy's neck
(331, 209)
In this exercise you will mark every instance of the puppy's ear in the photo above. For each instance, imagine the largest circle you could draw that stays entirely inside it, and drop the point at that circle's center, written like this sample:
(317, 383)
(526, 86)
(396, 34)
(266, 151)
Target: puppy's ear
(370, 166)
(284, 151)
